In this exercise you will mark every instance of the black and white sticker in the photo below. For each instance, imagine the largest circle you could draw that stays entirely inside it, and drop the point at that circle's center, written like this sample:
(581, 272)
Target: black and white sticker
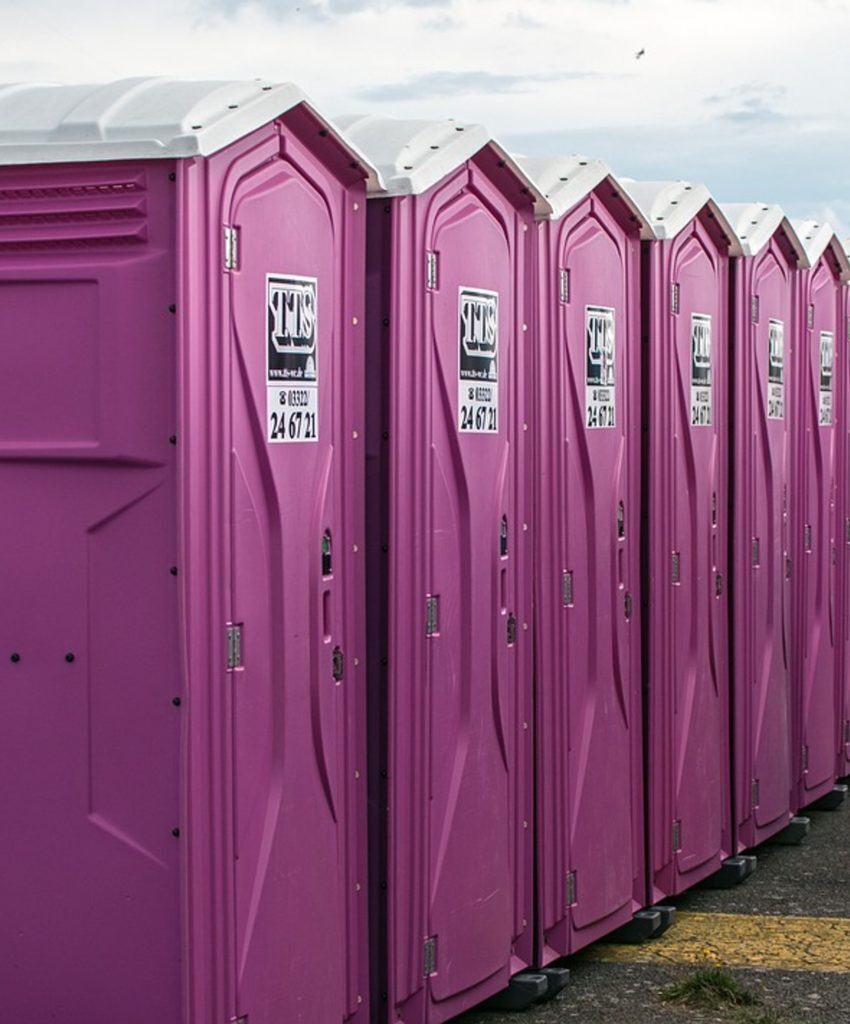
(701, 403)
(776, 370)
(827, 359)
(601, 385)
(292, 359)
(478, 361)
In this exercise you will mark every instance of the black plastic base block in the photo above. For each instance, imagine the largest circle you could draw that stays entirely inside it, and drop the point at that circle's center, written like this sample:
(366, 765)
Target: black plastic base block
(794, 832)
(524, 990)
(732, 872)
(668, 918)
(557, 979)
(643, 925)
(832, 800)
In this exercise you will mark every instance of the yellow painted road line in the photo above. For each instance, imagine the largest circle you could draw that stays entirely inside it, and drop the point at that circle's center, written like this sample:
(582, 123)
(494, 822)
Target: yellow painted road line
(742, 940)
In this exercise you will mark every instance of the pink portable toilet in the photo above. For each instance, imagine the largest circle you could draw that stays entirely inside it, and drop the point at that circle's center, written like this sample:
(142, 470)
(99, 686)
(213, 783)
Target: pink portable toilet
(843, 763)
(590, 806)
(685, 598)
(181, 300)
(764, 334)
(449, 503)
(816, 528)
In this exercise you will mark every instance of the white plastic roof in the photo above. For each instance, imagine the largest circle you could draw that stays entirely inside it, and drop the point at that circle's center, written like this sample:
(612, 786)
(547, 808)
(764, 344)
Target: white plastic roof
(566, 180)
(413, 156)
(756, 223)
(141, 118)
(670, 206)
(817, 237)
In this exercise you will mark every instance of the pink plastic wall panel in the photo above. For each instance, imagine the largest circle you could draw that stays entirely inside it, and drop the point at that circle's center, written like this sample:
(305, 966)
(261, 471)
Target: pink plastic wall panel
(843, 616)
(815, 530)
(765, 330)
(187, 843)
(457, 678)
(90, 663)
(274, 531)
(686, 549)
(588, 672)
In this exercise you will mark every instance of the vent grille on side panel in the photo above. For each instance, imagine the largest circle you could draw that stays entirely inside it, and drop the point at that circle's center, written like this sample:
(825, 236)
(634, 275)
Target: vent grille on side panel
(73, 216)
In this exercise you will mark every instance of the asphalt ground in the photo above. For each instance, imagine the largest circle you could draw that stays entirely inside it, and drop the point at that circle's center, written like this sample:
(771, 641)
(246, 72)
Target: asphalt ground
(784, 934)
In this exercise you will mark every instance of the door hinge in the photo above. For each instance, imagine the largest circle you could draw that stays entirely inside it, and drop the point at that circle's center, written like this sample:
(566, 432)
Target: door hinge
(847, 530)
(755, 793)
(805, 757)
(718, 584)
(432, 615)
(674, 297)
(503, 538)
(564, 285)
(754, 309)
(807, 537)
(338, 664)
(511, 629)
(756, 551)
(810, 316)
(627, 605)
(676, 572)
(429, 957)
(787, 567)
(432, 265)
(231, 248)
(234, 647)
(571, 888)
(621, 521)
(847, 731)
(567, 588)
(677, 835)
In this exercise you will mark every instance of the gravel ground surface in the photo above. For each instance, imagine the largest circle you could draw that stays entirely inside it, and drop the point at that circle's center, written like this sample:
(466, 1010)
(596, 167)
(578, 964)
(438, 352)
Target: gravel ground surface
(811, 880)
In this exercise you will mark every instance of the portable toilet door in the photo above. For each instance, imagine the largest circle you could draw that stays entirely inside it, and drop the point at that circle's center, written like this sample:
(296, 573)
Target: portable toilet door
(448, 388)
(764, 334)
(685, 401)
(843, 762)
(181, 454)
(588, 692)
(816, 516)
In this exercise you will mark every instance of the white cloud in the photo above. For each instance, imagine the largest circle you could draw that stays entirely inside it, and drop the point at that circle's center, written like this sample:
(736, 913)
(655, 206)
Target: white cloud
(749, 96)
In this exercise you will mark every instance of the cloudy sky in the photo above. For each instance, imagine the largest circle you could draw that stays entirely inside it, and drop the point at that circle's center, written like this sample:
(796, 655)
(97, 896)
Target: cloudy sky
(750, 96)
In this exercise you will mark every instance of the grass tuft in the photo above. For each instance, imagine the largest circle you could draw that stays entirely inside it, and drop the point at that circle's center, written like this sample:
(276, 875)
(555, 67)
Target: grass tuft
(715, 990)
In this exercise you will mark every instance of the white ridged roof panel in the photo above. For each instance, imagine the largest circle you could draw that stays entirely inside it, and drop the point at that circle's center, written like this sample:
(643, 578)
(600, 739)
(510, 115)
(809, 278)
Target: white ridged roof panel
(669, 206)
(413, 156)
(817, 237)
(141, 119)
(567, 180)
(756, 223)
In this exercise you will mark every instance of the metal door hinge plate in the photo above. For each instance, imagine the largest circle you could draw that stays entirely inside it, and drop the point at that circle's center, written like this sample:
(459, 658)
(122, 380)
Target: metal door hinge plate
(432, 264)
(511, 629)
(754, 309)
(807, 537)
(810, 316)
(231, 248)
(503, 538)
(432, 615)
(676, 568)
(677, 836)
(338, 664)
(233, 635)
(718, 584)
(755, 793)
(805, 758)
(674, 297)
(564, 285)
(627, 605)
(756, 551)
(429, 957)
(571, 888)
(567, 588)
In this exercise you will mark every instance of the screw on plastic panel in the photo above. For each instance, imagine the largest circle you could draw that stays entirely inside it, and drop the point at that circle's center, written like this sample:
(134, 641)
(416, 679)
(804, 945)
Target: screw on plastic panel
(69, 657)
(176, 833)
(172, 308)
(172, 439)
(176, 701)
(15, 657)
(173, 570)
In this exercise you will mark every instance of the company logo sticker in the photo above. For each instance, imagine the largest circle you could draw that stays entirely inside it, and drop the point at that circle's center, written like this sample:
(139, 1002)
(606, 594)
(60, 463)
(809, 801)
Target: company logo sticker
(600, 383)
(776, 370)
(478, 361)
(701, 375)
(292, 363)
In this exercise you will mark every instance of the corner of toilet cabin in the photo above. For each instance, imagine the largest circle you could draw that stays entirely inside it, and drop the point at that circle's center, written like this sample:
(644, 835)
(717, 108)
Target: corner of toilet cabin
(119, 412)
(819, 240)
(755, 224)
